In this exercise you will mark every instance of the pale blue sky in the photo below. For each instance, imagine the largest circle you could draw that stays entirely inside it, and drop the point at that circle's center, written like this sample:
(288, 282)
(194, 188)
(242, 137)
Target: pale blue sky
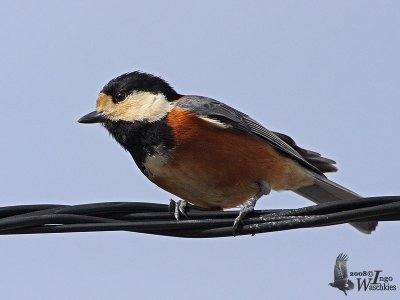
(325, 73)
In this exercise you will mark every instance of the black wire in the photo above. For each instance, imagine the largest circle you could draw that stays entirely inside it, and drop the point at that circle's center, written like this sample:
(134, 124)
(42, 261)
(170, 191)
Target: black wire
(153, 218)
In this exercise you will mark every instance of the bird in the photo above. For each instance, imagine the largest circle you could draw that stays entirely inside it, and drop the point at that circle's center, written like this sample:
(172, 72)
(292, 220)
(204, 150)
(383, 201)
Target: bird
(341, 280)
(206, 152)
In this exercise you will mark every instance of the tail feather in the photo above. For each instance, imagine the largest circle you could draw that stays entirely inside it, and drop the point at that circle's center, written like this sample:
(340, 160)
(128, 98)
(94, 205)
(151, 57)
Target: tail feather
(325, 190)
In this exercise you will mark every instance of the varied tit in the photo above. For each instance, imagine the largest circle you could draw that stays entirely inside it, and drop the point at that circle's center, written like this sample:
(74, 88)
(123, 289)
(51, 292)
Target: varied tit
(206, 152)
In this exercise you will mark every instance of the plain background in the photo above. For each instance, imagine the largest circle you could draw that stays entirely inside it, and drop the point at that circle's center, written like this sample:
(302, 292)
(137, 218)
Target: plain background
(324, 72)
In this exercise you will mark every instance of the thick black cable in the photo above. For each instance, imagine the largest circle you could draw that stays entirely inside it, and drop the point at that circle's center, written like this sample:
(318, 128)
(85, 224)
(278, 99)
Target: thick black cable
(153, 218)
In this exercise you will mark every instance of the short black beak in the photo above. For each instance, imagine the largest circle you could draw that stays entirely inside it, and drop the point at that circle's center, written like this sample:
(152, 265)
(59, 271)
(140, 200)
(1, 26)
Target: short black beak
(93, 117)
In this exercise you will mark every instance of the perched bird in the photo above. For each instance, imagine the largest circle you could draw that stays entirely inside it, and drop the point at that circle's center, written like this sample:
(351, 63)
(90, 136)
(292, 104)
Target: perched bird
(206, 152)
(341, 280)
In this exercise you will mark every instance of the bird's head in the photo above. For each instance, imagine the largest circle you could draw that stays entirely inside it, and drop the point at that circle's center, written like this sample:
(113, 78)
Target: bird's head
(132, 97)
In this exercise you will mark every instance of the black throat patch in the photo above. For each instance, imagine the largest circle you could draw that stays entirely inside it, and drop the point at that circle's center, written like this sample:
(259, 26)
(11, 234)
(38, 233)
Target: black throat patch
(142, 139)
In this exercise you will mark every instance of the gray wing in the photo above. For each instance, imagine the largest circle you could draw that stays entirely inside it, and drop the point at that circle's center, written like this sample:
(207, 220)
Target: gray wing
(340, 271)
(219, 111)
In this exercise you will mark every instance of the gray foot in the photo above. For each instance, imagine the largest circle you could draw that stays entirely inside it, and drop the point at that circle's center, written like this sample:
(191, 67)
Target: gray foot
(248, 206)
(179, 208)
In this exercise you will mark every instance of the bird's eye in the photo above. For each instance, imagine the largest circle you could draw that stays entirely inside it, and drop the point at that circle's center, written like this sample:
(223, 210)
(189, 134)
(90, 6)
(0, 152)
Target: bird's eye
(119, 97)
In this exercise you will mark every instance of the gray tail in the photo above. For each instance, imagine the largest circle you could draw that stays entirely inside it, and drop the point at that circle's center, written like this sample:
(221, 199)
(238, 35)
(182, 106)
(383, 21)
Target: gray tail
(324, 190)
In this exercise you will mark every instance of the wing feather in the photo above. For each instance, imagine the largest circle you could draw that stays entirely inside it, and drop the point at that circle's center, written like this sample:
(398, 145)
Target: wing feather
(340, 271)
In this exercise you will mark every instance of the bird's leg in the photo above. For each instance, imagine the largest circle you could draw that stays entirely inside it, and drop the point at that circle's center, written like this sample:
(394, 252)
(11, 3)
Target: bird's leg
(179, 208)
(264, 188)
